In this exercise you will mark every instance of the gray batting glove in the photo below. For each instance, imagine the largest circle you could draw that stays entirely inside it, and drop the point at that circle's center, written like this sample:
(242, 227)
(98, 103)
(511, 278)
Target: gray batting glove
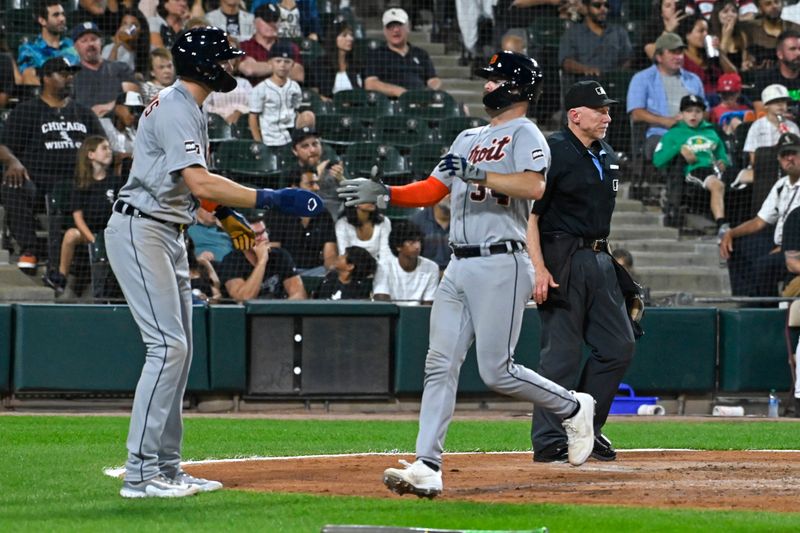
(455, 165)
(364, 191)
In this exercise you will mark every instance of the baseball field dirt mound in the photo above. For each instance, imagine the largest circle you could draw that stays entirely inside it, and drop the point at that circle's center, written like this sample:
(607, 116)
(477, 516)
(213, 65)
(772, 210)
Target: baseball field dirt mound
(749, 480)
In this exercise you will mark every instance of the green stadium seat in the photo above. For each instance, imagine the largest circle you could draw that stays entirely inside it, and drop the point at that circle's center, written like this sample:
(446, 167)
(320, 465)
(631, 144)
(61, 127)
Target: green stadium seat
(616, 84)
(246, 159)
(361, 157)
(545, 32)
(311, 100)
(341, 130)
(310, 50)
(450, 127)
(423, 158)
(400, 213)
(365, 106)
(428, 105)
(403, 131)
(241, 128)
(361, 48)
(218, 128)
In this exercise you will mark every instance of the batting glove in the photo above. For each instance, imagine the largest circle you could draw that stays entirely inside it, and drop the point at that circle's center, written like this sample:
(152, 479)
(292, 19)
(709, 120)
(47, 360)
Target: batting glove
(364, 191)
(455, 165)
(241, 234)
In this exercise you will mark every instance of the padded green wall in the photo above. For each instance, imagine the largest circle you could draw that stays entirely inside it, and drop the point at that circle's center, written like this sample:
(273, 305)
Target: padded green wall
(6, 335)
(89, 348)
(752, 350)
(227, 348)
(677, 352)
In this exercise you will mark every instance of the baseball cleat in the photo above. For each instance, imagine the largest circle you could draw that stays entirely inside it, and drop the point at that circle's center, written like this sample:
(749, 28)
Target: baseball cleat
(203, 485)
(416, 478)
(603, 450)
(157, 487)
(580, 430)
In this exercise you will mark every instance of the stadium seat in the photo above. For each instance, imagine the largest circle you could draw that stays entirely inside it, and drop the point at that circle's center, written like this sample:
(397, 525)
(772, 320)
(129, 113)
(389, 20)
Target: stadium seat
(403, 131)
(361, 157)
(311, 100)
(241, 128)
(218, 129)
(310, 50)
(365, 106)
(616, 85)
(246, 159)
(103, 284)
(59, 217)
(450, 127)
(361, 48)
(428, 105)
(546, 31)
(341, 130)
(737, 155)
(400, 213)
(423, 158)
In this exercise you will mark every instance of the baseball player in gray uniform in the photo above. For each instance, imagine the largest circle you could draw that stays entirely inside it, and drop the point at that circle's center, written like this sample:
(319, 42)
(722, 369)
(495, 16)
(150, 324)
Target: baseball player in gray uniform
(501, 170)
(145, 246)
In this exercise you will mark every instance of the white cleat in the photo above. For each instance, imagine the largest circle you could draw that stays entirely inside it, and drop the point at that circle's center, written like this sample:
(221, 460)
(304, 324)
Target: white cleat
(580, 430)
(203, 485)
(157, 487)
(416, 478)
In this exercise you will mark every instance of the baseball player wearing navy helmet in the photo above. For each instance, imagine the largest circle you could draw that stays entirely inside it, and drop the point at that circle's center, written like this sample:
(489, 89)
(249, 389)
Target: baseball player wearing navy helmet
(493, 174)
(147, 253)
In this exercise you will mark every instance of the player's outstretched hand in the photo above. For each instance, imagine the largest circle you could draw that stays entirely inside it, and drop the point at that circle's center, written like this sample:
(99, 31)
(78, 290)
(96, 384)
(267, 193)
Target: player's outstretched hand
(364, 191)
(242, 235)
(455, 165)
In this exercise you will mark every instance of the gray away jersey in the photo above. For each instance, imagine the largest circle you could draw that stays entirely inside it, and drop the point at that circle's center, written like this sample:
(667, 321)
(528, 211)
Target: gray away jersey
(172, 135)
(478, 215)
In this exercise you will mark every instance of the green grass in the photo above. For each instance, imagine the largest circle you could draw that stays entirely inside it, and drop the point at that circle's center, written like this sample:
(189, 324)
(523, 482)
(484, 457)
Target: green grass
(51, 480)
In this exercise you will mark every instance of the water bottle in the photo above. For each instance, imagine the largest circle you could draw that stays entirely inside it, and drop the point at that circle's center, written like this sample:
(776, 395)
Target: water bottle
(711, 51)
(772, 408)
(783, 127)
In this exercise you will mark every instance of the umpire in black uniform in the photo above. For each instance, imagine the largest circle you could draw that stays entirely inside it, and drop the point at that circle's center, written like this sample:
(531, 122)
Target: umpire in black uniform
(576, 286)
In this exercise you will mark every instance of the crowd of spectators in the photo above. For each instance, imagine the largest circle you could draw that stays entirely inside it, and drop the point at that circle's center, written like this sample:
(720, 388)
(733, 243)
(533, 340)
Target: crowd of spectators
(95, 73)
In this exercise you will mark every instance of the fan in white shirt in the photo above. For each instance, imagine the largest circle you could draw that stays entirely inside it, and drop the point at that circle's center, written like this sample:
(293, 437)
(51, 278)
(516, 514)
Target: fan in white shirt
(406, 276)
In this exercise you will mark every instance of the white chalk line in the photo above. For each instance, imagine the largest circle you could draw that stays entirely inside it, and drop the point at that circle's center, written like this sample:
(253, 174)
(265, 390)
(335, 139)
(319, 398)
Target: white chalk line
(118, 471)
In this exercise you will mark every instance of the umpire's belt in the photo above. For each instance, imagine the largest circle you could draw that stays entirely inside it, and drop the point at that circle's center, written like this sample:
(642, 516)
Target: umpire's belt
(128, 209)
(477, 250)
(597, 245)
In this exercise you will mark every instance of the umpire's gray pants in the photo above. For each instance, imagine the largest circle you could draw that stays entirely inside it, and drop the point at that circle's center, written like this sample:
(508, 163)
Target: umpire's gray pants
(596, 314)
(149, 260)
(480, 298)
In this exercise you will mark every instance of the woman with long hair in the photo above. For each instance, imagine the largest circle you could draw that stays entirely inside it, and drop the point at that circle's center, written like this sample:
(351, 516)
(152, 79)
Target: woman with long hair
(724, 23)
(335, 71)
(693, 31)
(363, 225)
(165, 28)
(92, 198)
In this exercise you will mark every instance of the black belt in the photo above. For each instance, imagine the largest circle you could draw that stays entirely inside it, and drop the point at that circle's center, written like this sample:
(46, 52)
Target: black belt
(597, 245)
(476, 250)
(127, 209)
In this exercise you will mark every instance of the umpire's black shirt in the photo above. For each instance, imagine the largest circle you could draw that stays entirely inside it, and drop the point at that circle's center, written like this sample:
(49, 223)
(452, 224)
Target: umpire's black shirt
(578, 199)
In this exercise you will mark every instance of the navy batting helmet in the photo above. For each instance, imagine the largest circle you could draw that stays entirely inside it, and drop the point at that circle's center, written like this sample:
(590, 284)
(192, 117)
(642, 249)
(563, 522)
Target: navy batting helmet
(522, 79)
(196, 54)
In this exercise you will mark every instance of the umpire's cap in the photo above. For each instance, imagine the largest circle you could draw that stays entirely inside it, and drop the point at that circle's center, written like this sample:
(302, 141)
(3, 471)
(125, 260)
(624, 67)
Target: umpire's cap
(522, 77)
(196, 54)
(587, 93)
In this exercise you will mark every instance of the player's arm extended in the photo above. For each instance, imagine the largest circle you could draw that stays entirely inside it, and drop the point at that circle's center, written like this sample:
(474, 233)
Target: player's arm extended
(418, 194)
(527, 185)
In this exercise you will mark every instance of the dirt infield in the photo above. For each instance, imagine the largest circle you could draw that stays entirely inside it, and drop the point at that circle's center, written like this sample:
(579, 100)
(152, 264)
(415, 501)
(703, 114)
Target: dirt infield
(759, 481)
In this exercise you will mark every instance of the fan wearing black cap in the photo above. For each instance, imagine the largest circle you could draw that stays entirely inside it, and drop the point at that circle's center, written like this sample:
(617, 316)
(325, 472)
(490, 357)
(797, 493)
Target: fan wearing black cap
(703, 153)
(39, 149)
(757, 263)
(576, 283)
(255, 66)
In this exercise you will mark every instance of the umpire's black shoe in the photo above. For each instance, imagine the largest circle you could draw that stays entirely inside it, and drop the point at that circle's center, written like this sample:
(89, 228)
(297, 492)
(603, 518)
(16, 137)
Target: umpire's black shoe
(603, 450)
(555, 453)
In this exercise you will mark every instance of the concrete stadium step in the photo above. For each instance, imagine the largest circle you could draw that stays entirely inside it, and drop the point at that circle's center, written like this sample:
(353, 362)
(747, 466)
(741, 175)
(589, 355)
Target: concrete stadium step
(685, 279)
(446, 61)
(624, 232)
(452, 72)
(641, 244)
(454, 85)
(675, 259)
(623, 204)
(16, 286)
(634, 218)
(417, 38)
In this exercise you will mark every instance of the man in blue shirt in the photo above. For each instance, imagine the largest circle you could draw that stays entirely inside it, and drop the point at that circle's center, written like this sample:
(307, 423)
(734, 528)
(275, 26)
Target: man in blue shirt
(654, 94)
(53, 20)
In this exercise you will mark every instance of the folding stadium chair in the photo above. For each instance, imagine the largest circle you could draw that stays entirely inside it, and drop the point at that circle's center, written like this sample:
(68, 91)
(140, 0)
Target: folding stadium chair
(450, 127)
(362, 105)
(103, 284)
(403, 131)
(312, 100)
(218, 128)
(361, 48)
(361, 157)
(310, 50)
(425, 104)
(251, 160)
(57, 203)
(341, 130)
(241, 128)
(738, 156)
(423, 158)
